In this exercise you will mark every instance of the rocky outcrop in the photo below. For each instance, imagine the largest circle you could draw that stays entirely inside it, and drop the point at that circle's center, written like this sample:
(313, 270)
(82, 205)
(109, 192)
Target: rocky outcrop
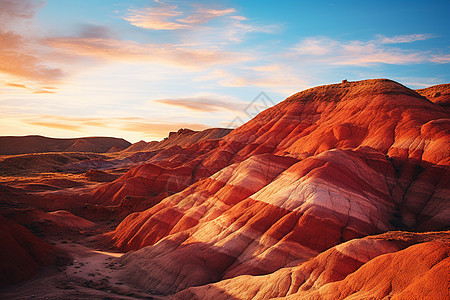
(183, 137)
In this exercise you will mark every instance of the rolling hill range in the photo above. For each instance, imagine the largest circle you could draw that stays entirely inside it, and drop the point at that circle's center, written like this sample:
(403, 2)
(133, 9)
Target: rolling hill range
(11, 145)
(338, 192)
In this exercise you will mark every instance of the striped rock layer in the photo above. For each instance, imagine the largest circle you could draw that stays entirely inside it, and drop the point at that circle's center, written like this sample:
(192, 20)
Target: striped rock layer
(291, 195)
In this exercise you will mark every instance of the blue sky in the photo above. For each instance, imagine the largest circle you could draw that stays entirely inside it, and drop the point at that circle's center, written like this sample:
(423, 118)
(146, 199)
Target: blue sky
(139, 69)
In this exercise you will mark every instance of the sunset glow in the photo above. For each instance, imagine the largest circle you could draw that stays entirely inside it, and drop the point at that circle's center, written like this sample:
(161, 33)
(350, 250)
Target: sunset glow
(139, 69)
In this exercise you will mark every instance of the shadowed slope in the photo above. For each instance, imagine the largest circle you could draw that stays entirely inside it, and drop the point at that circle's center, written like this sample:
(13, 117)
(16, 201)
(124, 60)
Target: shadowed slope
(21, 253)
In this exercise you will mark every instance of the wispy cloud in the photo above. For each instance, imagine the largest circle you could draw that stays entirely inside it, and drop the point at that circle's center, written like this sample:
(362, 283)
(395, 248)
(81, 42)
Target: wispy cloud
(34, 90)
(440, 59)
(169, 54)
(156, 17)
(164, 16)
(277, 77)
(44, 92)
(17, 85)
(363, 53)
(403, 38)
(18, 56)
(193, 19)
(204, 15)
(55, 125)
(205, 104)
(314, 46)
(16, 11)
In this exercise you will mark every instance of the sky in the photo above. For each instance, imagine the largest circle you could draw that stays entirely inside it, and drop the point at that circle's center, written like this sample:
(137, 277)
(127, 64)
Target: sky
(140, 69)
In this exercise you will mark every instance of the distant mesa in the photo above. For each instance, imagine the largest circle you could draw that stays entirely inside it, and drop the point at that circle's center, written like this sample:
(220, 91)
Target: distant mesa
(439, 94)
(12, 145)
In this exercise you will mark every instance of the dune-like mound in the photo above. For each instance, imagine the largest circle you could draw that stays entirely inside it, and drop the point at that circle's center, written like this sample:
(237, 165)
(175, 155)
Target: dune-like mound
(12, 145)
(47, 222)
(26, 164)
(439, 94)
(22, 254)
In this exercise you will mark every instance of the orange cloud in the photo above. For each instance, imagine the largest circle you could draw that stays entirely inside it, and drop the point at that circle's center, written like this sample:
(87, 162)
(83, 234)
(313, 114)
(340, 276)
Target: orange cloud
(18, 85)
(403, 38)
(162, 16)
(16, 59)
(44, 92)
(363, 53)
(203, 15)
(13, 11)
(64, 122)
(178, 55)
(156, 17)
(160, 129)
(55, 125)
(17, 52)
(278, 77)
(204, 104)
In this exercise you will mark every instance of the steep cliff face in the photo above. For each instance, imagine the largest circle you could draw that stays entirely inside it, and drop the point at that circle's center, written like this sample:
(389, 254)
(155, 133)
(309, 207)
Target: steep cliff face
(325, 166)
